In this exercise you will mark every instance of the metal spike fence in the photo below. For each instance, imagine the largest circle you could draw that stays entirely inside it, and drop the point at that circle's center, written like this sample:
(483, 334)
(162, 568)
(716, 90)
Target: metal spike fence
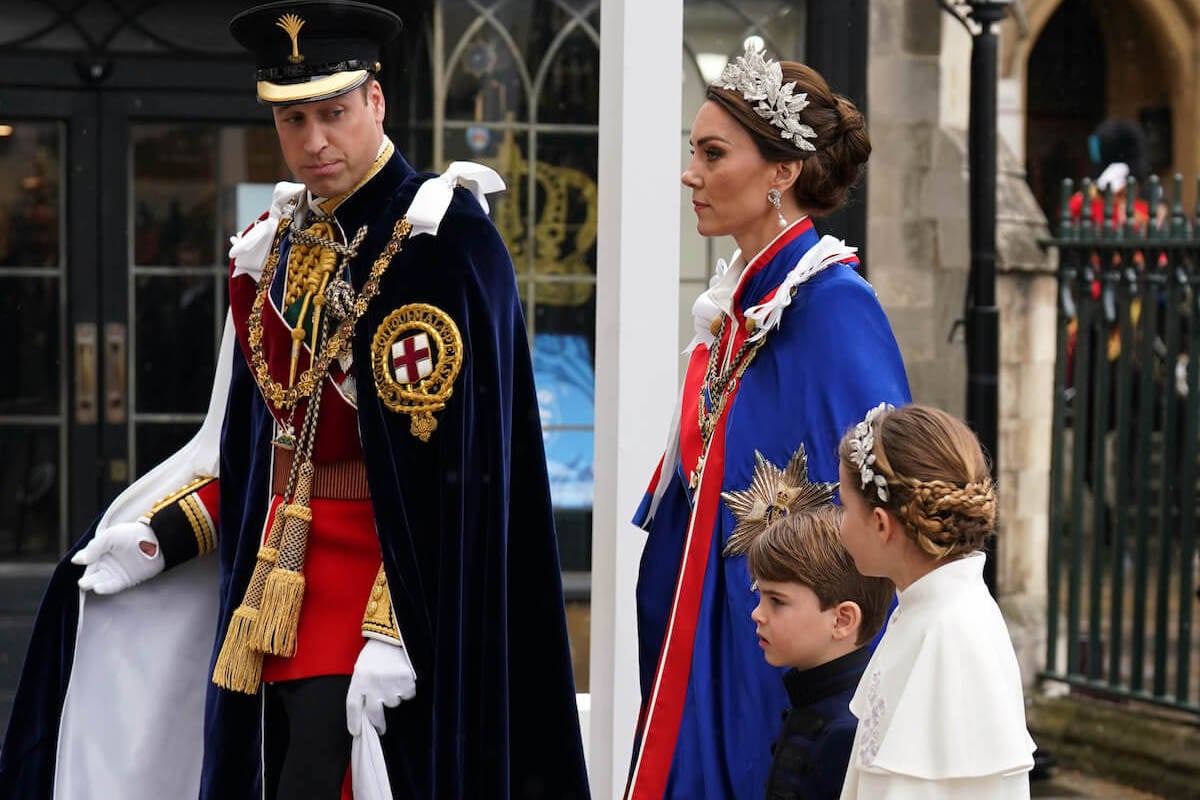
(1122, 560)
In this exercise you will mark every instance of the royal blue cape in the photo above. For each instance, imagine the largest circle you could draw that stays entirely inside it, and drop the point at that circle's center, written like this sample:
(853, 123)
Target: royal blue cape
(832, 358)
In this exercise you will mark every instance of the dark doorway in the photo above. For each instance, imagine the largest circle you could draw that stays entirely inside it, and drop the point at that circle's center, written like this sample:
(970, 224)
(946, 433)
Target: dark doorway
(1066, 99)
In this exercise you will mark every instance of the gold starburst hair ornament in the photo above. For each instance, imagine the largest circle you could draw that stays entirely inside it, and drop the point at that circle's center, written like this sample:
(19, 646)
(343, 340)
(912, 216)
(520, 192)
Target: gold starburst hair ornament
(760, 81)
(773, 493)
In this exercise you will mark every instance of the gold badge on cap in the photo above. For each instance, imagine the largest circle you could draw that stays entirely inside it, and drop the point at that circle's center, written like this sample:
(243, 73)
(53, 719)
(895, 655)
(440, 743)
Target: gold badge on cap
(416, 354)
(291, 25)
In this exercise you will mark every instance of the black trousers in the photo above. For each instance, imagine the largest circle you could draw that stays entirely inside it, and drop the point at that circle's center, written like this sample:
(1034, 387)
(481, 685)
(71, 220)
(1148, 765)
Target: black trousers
(306, 747)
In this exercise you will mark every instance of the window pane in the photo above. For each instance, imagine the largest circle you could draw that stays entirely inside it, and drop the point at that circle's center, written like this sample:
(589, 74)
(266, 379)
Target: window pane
(30, 480)
(193, 187)
(30, 199)
(29, 315)
(175, 344)
(156, 441)
(174, 195)
(563, 369)
(187, 183)
(570, 89)
(566, 216)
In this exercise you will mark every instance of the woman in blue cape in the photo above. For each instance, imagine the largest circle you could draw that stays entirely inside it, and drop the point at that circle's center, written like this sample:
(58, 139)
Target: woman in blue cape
(792, 348)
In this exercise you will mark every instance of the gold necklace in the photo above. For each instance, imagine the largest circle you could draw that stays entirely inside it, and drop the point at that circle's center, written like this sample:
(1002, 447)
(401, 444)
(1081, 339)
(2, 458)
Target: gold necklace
(335, 345)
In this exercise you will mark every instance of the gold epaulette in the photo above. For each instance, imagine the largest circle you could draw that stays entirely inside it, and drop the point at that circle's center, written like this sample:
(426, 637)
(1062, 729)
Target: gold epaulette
(379, 620)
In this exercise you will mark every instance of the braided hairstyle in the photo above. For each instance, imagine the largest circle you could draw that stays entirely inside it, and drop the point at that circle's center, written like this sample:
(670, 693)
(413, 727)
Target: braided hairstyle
(938, 482)
(842, 145)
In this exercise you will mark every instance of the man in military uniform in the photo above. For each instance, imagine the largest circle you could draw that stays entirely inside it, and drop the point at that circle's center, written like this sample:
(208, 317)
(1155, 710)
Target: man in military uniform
(388, 582)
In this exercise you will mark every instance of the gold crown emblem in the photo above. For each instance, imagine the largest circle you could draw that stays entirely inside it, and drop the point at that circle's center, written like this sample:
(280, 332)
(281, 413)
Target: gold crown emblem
(564, 232)
(291, 25)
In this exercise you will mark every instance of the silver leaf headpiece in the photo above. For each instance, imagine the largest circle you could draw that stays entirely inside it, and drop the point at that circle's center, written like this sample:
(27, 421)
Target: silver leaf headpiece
(862, 451)
(760, 80)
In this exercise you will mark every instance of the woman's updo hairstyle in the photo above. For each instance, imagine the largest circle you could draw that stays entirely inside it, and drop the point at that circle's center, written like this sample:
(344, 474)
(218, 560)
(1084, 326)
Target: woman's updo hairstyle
(841, 147)
(938, 483)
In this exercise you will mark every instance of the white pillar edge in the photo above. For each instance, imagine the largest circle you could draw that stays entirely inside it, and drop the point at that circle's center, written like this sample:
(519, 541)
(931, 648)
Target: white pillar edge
(637, 356)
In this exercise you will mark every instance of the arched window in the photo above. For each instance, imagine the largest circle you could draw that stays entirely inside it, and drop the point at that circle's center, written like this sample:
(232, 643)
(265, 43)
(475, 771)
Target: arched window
(515, 84)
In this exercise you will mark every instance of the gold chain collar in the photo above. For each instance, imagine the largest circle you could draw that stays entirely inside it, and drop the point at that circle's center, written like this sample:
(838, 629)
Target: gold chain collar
(720, 387)
(337, 344)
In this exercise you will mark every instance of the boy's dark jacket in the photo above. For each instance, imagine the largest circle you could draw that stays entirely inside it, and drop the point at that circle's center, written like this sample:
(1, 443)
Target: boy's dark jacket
(813, 749)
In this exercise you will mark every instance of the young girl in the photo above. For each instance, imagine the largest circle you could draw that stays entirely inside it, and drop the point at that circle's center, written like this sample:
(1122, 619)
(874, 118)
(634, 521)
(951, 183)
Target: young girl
(940, 711)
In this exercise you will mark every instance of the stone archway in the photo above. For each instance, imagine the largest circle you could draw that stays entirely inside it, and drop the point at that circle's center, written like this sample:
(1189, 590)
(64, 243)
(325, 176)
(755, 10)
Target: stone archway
(1150, 50)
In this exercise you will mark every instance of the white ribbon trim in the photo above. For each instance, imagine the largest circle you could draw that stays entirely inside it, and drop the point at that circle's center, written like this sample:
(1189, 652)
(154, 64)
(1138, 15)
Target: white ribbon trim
(433, 198)
(717, 299)
(767, 316)
(248, 251)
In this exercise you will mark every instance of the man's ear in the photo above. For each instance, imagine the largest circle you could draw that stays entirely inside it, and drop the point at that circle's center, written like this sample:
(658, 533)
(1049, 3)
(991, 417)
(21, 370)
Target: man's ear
(376, 100)
(847, 617)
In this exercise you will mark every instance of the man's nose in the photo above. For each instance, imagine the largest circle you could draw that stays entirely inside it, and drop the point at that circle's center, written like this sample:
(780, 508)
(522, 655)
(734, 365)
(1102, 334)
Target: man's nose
(315, 139)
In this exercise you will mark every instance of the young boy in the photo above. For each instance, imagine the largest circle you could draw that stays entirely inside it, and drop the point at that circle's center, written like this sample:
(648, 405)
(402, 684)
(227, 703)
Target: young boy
(815, 614)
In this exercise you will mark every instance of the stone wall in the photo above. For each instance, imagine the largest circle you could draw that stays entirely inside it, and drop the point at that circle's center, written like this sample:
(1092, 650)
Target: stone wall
(1026, 289)
(919, 262)
(916, 205)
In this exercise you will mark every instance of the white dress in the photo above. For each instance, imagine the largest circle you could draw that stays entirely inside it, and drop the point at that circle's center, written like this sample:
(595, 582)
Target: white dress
(941, 714)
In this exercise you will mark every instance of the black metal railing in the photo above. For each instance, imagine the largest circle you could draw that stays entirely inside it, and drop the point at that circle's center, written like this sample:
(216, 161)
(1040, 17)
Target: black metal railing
(1122, 559)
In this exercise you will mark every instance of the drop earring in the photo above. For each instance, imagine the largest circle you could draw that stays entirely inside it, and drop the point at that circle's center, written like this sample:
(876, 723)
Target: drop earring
(775, 198)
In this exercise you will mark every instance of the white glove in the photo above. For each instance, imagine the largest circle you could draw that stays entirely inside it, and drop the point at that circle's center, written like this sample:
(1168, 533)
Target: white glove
(120, 556)
(383, 676)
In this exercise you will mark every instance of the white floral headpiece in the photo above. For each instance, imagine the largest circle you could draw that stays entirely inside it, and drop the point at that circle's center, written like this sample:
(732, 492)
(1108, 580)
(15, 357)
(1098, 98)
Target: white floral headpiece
(760, 80)
(862, 451)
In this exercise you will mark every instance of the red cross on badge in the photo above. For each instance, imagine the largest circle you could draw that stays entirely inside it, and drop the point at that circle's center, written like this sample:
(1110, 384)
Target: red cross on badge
(411, 359)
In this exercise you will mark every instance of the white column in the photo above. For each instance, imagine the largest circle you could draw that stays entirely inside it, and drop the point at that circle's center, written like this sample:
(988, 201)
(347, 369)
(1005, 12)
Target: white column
(637, 335)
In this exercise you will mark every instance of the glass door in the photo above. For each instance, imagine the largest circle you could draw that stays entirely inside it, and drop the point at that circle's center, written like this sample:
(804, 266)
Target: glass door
(115, 216)
(194, 174)
(116, 210)
(49, 400)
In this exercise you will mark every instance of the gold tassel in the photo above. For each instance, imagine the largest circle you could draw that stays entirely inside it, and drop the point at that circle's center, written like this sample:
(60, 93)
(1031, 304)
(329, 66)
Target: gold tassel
(283, 593)
(279, 618)
(239, 665)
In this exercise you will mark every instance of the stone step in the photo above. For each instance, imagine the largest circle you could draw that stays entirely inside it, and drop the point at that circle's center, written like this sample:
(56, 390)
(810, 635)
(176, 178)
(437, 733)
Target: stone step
(1136, 746)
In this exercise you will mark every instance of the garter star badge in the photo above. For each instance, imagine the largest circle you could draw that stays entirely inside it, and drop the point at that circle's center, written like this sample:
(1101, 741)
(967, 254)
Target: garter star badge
(416, 354)
(773, 493)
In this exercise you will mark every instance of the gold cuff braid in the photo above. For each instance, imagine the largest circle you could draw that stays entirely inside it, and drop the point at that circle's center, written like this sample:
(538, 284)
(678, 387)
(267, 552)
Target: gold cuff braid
(379, 619)
(194, 485)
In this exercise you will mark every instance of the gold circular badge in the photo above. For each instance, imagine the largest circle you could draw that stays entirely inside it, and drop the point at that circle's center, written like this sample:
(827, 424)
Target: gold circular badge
(416, 354)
